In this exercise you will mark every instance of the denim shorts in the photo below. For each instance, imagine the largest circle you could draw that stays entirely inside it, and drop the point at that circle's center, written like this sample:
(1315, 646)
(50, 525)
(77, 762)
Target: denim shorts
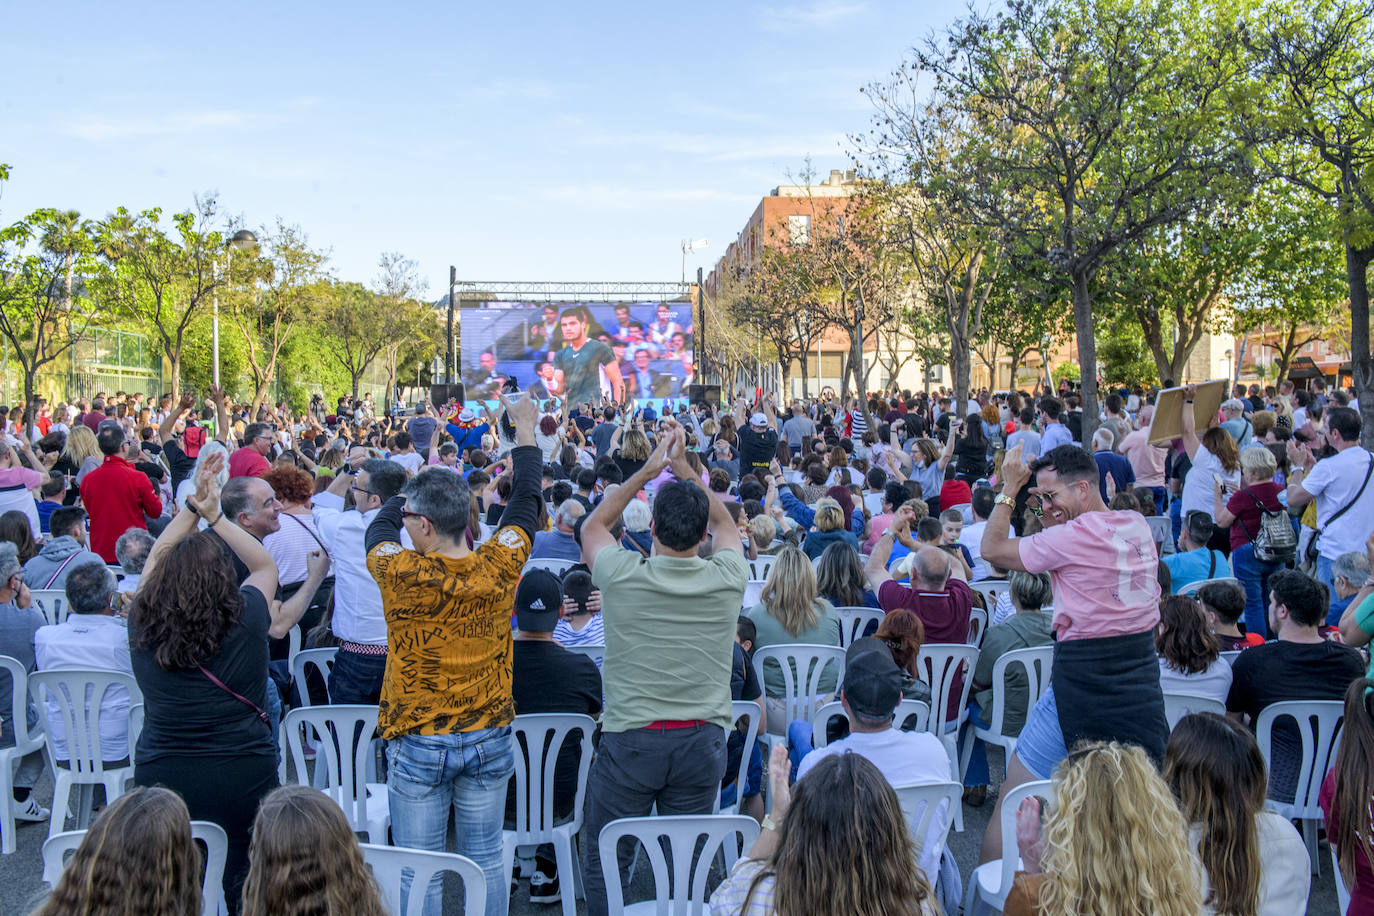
(1040, 746)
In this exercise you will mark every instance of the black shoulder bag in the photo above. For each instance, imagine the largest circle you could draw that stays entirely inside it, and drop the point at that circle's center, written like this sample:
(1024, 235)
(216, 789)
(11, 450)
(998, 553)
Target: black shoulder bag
(1313, 552)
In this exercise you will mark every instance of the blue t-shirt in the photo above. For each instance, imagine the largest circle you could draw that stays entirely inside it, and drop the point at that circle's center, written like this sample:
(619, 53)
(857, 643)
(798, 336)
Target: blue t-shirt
(1196, 565)
(1117, 466)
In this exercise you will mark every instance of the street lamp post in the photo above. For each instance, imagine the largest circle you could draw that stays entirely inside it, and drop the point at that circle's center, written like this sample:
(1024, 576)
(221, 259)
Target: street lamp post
(243, 240)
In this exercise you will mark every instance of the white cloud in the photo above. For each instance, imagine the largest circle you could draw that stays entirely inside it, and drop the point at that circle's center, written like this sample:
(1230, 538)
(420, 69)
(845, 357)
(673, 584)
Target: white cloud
(108, 127)
(809, 15)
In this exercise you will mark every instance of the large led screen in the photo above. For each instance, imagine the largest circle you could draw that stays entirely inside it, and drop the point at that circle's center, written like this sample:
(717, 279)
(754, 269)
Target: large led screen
(577, 351)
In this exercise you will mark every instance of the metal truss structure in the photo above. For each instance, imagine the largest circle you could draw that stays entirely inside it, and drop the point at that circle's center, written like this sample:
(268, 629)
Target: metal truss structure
(570, 291)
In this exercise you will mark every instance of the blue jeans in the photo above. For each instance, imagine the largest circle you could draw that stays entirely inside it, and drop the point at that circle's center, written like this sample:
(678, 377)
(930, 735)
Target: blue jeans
(1327, 577)
(1254, 578)
(1176, 516)
(274, 713)
(430, 774)
(977, 773)
(356, 678)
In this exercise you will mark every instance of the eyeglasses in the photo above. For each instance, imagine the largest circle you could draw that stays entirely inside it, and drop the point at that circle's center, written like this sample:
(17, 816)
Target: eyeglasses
(406, 513)
(364, 490)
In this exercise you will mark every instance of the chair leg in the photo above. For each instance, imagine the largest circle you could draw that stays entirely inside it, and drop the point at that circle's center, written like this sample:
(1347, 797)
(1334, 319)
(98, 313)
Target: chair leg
(8, 842)
(1309, 839)
(87, 796)
(567, 873)
(61, 797)
(970, 896)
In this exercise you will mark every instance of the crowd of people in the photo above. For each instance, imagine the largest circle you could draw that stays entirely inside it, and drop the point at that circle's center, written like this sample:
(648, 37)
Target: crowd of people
(1230, 562)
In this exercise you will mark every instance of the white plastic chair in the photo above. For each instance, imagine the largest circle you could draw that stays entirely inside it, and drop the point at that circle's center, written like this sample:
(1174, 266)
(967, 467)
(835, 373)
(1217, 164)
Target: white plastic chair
(820, 719)
(991, 882)
(1178, 705)
(688, 871)
(990, 589)
(977, 626)
(24, 744)
(596, 653)
(937, 664)
(398, 869)
(1034, 664)
(536, 758)
(965, 509)
(854, 620)
(57, 849)
(343, 738)
(802, 667)
(52, 602)
(293, 644)
(749, 711)
(758, 568)
(1162, 530)
(1194, 586)
(116, 569)
(1342, 892)
(753, 593)
(78, 694)
(1319, 724)
(1231, 655)
(484, 532)
(552, 564)
(321, 659)
(922, 804)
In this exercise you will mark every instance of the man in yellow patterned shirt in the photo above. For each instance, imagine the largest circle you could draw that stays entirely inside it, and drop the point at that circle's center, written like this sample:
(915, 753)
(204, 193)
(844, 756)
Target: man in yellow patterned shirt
(446, 707)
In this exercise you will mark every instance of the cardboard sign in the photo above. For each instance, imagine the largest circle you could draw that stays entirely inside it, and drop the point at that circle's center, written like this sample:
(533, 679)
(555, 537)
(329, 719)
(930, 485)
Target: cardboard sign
(1167, 423)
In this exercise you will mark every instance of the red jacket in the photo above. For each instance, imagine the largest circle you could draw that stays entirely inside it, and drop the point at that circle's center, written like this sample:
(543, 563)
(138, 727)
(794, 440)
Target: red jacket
(117, 497)
(248, 462)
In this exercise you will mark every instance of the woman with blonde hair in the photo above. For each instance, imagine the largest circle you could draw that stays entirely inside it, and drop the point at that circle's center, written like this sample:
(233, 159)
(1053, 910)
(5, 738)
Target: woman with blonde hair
(80, 455)
(1115, 842)
(790, 613)
(835, 844)
(829, 528)
(1243, 513)
(633, 452)
(305, 859)
(137, 859)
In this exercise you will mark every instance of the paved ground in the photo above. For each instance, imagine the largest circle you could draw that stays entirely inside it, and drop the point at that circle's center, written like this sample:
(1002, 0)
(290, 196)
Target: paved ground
(21, 887)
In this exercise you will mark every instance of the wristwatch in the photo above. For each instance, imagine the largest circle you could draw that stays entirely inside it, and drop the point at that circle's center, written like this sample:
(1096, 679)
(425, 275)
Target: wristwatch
(1003, 499)
(767, 823)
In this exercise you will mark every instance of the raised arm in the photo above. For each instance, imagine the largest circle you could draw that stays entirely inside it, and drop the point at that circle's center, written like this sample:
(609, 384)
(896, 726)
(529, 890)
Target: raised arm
(596, 529)
(875, 570)
(164, 432)
(1188, 423)
(522, 509)
(998, 547)
(724, 534)
(221, 415)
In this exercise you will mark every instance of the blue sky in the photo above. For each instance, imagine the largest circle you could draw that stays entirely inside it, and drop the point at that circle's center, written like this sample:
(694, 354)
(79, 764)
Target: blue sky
(542, 141)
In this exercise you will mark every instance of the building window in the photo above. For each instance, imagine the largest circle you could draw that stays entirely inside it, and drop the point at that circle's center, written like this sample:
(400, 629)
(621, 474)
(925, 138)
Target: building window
(798, 229)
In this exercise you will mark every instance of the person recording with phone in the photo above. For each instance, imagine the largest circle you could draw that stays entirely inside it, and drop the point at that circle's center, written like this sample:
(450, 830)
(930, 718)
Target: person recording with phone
(1215, 459)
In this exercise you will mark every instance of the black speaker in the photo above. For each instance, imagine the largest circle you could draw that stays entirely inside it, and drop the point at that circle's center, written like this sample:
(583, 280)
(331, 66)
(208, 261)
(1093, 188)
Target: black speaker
(704, 394)
(439, 394)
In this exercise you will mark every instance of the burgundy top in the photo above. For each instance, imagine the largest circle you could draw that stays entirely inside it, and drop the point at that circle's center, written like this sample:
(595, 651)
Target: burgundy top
(1245, 504)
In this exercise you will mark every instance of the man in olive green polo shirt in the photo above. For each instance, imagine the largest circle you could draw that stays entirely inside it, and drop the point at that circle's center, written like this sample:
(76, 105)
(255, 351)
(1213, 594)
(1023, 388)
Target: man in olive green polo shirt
(670, 629)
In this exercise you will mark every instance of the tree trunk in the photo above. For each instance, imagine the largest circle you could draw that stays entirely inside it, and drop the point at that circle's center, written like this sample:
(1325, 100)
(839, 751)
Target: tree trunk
(356, 377)
(1361, 365)
(174, 358)
(806, 390)
(30, 400)
(785, 368)
(1087, 350)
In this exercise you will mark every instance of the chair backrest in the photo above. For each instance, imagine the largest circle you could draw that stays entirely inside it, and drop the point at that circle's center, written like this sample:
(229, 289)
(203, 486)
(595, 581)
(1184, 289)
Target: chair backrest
(19, 704)
(1231, 655)
(293, 644)
(854, 620)
(595, 652)
(1011, 800)
(802, 666)
(77, 694)
(759, 567)
(323, 659)
(1319, 724)
(1194, 586)
(753, 593)
(938, 664)
(484, 532)
(686, 873)
(977, 625)
(52, 602)
(343, 741)
(1162, 530)
(58, 848)
(747, 710)
(552, 564)
(1178, 705)
(991, 588)
(820, 719)
(539, 738)
(965, 509)
(1035, 663)
(923, 804)
(390, 865)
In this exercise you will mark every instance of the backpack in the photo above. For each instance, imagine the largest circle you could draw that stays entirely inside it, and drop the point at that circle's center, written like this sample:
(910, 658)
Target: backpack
(1275, 542)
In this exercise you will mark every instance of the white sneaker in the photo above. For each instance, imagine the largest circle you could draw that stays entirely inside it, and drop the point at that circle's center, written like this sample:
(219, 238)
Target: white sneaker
(30, 810)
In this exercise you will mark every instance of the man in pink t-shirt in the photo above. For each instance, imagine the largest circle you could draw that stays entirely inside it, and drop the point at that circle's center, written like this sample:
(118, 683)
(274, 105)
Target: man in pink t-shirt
(1104, 570)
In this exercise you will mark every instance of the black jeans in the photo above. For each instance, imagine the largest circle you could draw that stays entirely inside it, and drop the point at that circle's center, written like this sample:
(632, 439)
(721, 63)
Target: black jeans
(356, 678)
(680, 769)
(224, 790)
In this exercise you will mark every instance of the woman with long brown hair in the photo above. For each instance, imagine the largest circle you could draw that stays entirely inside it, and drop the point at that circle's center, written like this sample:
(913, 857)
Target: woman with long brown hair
(198, 642)
(137, 859)
(1254, 860)
(1347, 798)
(305, 859)
(1190, 660)
(835, 844)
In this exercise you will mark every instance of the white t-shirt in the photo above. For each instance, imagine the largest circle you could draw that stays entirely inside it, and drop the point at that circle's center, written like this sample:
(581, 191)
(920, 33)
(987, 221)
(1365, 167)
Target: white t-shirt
(1198, 487)
(411, 461)
(1285, 878)
(1334, 482)
(1214, 683)
(972, 538)
(904, 759)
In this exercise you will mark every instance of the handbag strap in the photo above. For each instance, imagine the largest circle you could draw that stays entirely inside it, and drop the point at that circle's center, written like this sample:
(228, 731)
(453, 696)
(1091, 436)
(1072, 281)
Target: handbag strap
(308, 531)
(258, 710)
(60, 568)
(1211, 563)
(1346, 508)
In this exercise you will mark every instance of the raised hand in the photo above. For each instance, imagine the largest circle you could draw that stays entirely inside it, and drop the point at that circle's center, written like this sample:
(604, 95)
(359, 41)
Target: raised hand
(188, 400)
(1015, 471)
(207, 485)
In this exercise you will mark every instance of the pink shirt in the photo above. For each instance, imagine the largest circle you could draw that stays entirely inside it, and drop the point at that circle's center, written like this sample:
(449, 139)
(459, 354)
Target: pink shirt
(1146, 460)
(1104, 570)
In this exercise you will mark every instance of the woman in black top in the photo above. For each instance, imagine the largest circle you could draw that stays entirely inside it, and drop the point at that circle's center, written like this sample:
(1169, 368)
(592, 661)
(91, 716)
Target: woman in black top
(971, 450)
(198, 644)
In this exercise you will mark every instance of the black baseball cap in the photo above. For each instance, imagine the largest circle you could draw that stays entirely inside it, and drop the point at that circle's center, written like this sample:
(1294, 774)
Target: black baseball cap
(872, 681)
(538, 600)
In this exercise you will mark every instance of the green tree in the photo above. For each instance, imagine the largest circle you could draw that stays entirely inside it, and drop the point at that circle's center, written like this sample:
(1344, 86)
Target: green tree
(1100, 120)
(39, 258)
(1123, 352)
(1316, 63)
(398, 287)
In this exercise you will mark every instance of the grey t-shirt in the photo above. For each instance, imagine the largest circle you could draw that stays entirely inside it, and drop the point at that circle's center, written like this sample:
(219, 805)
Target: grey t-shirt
(670, 631)
(16, 640)
(796, 429)
(1031, 442)
(601, 437)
